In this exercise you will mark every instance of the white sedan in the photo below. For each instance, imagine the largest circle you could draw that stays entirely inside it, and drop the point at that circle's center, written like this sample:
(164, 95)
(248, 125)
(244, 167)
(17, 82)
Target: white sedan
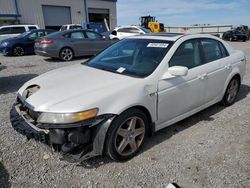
(133, 88)
(127, 31)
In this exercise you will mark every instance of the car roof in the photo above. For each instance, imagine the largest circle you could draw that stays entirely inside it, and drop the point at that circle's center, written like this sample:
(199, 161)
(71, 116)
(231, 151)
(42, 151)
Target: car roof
(172, 36)
(72, 25)
(17, 25)
(160, 36)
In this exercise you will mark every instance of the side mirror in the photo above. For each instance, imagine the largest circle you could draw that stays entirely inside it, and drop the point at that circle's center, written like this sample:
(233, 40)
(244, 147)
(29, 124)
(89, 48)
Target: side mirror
(175, 71)
(178, 70)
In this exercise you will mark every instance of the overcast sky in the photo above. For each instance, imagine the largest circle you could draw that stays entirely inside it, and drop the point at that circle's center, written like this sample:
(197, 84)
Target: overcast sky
(185, 12)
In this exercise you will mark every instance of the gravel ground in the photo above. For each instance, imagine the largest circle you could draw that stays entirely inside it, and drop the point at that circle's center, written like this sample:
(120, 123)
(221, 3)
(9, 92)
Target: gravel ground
(209, 149)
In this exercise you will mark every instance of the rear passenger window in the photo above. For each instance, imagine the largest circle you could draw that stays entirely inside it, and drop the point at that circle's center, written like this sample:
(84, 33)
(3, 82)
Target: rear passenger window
(17, 30)
(77, 35)
(211, 50)
(187, 55)
(92, 35)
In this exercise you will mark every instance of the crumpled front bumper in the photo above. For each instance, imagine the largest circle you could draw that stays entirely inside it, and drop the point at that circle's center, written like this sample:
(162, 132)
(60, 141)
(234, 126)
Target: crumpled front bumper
(75, 144)
(25, 128)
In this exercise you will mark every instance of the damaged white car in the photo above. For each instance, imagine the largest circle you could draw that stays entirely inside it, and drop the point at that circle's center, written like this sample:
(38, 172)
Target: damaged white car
(130, 90)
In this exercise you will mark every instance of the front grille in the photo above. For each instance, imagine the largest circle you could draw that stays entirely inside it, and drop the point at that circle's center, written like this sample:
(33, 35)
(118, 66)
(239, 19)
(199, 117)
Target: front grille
(28, 113)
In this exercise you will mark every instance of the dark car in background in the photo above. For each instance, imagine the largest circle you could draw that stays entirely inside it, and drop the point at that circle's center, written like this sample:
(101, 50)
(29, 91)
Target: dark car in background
(71, 43)
(234, 35)
(23, 43)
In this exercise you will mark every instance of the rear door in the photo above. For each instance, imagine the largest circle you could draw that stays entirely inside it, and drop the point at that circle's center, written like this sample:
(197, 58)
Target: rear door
(216, 67)
(78, 43)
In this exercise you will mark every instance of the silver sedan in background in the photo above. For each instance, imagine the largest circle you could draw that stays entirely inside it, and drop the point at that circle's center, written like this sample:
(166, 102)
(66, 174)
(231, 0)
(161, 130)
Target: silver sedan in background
(71, 43)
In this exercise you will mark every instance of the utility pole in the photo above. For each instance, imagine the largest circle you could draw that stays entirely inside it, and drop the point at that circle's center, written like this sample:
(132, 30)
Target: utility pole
(86, 11)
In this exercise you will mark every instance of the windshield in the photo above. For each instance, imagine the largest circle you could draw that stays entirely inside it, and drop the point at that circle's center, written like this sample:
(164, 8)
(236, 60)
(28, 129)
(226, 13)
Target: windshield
(133, 57)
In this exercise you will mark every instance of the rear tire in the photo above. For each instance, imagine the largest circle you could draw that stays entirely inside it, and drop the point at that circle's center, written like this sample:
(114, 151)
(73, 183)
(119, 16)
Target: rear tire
(66, 54)
(231, 92)
(126, 135)
(18, 51)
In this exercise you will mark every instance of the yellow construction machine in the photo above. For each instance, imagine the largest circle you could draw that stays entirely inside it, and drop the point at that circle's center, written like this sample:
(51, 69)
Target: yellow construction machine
(149, 22)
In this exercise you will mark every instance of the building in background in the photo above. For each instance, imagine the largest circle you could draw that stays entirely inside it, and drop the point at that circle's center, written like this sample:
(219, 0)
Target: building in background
(55, 13)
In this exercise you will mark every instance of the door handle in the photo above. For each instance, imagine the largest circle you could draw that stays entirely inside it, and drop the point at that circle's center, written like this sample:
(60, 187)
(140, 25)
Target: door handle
(203, 76)
(228, 67)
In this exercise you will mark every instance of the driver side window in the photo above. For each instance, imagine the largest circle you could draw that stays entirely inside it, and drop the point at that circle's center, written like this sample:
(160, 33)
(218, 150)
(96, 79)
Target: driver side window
(187, 55)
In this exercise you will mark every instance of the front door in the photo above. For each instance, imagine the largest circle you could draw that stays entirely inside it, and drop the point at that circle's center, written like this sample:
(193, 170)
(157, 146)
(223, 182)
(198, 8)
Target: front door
(181, 94)
(96, 42)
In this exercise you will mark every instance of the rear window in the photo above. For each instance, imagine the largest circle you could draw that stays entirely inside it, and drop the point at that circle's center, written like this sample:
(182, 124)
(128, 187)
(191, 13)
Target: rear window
(75, 27)
(32, 27)
(17, 30)
(211, 50)
(5, 31)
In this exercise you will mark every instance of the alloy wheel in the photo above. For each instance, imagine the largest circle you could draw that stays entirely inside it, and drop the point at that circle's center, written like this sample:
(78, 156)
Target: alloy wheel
(18, 51)
(232, 90)
(66, 54)
(130, 136)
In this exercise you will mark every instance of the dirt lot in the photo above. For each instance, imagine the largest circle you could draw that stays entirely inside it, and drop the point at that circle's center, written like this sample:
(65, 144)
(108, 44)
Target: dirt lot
(209, 149)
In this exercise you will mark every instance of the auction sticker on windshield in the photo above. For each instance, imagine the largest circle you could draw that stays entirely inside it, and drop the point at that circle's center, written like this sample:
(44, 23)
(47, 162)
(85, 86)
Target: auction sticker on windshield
(158, 45)
(120, 70)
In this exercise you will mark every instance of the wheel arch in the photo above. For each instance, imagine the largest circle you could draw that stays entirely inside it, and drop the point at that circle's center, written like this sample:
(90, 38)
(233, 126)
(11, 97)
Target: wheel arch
(233, 75)
(138, 107)
(15, 45)
(64, 48)
(146, 112)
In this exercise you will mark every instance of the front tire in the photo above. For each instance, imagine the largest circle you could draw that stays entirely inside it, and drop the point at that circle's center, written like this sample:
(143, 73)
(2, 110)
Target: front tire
(231, 92)
(126, 135)
(18, 51)
(66, 54)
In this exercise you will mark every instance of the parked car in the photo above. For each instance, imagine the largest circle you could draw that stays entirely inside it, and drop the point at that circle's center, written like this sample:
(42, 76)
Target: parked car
(126, 31)
(9, 31)
(71, 43)
(234, 35)
(24, 43)
(70, 26)
(131, 89)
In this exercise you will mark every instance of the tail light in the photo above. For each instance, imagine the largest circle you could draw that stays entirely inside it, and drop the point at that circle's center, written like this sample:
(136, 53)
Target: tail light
(46, 41)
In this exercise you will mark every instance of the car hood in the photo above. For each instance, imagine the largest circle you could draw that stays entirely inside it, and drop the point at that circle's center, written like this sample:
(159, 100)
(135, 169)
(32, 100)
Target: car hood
(74, 88)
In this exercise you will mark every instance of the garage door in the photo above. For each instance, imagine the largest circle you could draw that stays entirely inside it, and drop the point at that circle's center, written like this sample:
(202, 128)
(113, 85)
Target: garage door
(56, 15)
(98, 15)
